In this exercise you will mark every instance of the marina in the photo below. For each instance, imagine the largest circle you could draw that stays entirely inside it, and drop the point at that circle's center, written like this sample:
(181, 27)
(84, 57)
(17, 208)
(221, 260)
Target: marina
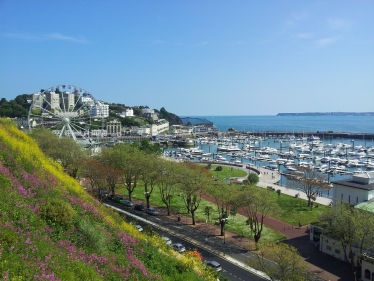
(335, 158)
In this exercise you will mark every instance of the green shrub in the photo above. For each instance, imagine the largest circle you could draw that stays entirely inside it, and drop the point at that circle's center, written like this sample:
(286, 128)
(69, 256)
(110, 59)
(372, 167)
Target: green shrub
(57, 212)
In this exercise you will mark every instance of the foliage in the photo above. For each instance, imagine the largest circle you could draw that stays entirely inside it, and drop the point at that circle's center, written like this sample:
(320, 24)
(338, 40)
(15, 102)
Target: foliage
(57, 212)
(257, 206)
(253, 178)
(51, 229)
(193, 180)
(225, 196)
(352, 228)
(63, 150)
(171, 117)
(19, 107)
(280, 262)
(130, 121)
(147, 147)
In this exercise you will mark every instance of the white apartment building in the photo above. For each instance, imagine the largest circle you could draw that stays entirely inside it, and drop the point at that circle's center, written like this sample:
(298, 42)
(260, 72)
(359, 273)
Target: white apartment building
(53, 101)
(100, 110)
(67, 101)
(37, 101)
(159, 127)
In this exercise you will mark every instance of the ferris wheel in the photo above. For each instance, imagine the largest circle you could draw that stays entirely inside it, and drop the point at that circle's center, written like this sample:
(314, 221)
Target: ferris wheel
(65, 109)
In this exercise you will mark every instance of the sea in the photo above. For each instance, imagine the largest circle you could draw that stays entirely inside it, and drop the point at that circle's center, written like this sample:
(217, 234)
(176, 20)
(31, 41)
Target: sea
(293, 125)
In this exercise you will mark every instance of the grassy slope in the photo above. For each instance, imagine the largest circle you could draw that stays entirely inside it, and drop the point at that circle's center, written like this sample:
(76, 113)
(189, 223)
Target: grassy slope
(51, 229)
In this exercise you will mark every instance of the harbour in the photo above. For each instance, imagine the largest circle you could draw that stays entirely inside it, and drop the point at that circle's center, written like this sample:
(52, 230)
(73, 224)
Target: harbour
(336, 158)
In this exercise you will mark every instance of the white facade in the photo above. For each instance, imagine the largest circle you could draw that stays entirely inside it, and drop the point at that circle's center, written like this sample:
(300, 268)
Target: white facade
(114, 128)
(100, 110)
(367, 269)
(37, 100)
(147, 110)
(334, 248)
(143, 130)
(53, 101)
(359, 189)
(129, 112)
(98, 133)
(161, 126)
(86, 99)
(67, 101)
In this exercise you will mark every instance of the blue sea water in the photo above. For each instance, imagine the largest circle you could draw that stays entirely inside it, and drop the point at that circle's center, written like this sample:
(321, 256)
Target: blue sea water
(292, 124)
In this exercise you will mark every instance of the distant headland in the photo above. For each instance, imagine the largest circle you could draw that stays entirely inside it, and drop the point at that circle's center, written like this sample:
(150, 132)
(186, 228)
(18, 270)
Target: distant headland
(327, 113)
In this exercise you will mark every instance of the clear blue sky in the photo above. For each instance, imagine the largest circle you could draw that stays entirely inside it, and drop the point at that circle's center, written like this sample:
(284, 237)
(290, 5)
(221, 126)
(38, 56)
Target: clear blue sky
(194, 57)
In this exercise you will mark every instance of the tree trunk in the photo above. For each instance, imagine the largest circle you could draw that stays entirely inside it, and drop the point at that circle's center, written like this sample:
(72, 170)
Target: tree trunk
(193, 217)
(257, 237)
(222, 224)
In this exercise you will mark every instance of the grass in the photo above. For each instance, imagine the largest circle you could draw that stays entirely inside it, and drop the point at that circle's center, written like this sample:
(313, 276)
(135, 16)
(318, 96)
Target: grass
(237, 223)
(227, 172)
(295, 210)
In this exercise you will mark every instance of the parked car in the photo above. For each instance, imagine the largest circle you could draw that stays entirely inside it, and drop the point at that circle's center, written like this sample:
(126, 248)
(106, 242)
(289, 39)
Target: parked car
(215, 265)
(179, 247)
(167, 240)
(139, 207)
(118, 199)
(127, 203)
(139, 227)
(151, 211)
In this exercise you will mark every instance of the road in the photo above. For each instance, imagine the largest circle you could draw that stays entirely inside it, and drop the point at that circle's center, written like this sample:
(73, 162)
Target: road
(231, 257)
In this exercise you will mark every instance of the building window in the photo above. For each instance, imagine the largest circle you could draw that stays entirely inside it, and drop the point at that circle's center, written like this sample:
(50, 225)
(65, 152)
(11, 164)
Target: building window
(337, 251)
(367, 274)
(328, 248)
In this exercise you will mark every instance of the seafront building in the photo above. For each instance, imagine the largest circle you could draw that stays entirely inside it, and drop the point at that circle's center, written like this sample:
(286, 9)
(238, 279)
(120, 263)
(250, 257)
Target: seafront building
(359, 193)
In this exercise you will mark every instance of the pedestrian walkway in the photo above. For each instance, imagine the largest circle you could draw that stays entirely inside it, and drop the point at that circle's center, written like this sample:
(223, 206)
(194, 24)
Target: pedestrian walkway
(271, 178)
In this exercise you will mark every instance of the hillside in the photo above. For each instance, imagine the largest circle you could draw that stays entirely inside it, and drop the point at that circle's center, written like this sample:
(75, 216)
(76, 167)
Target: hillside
(51, 229)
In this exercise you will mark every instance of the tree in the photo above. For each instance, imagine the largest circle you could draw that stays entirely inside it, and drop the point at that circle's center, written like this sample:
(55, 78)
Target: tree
(253, 178)
(96, 173)
(280, 262)
(63, 150)
(147, 147)
(115, 174)
(308, 180)
(224, 195)
(257, 205)
(193, 180)
(125, 158)
(148, 175)
(352, 228)
(168, 181)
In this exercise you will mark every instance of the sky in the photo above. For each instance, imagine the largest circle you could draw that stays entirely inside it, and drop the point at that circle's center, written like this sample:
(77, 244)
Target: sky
(194, 57)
